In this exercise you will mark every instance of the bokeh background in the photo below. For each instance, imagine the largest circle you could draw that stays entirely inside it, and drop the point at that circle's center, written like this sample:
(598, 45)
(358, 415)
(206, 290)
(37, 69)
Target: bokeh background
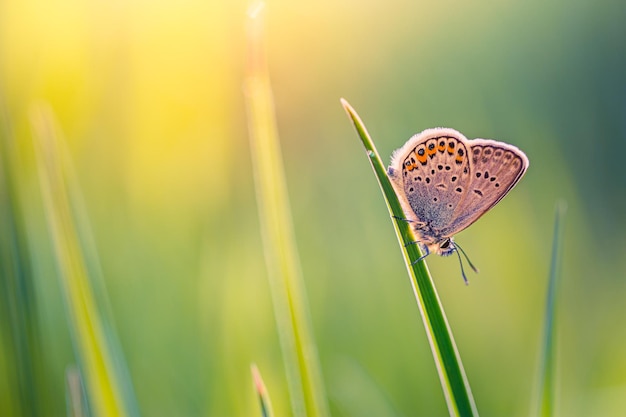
(149, 97)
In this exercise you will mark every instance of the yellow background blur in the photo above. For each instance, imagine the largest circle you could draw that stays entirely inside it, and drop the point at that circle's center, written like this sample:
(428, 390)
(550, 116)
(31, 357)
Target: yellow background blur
(149, 97)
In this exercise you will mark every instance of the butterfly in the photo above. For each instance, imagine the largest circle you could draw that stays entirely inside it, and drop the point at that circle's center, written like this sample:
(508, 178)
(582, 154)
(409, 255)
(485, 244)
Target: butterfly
(446, 182)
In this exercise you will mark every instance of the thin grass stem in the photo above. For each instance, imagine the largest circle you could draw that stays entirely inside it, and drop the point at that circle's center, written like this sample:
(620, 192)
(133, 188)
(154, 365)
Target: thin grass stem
(19, 329)
(261, 392)
(290, 306)
(546, 398)
(75, 394)
(100, 361)
(454, 382)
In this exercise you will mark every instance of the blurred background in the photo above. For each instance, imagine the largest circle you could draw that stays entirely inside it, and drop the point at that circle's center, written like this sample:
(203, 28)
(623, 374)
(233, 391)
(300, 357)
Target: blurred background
(149, 98)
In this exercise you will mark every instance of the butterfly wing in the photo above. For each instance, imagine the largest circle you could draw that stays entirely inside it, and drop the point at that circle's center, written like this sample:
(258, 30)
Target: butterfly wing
(495, 168)
(431, 173)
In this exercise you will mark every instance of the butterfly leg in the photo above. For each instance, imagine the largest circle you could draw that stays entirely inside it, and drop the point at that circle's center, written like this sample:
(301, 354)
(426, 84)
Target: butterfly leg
(416, 224)
(403, 219)
(426, 253)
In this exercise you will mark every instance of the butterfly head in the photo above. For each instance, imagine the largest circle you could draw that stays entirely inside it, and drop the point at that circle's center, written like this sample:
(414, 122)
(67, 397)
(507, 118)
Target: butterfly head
(443, 247)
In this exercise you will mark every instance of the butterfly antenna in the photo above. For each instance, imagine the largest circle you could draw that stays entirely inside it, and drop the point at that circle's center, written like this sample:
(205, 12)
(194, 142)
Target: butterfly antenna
(466, 257)
(462, 270)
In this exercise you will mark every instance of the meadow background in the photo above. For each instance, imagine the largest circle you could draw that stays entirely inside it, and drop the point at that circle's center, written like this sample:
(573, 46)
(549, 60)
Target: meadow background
(149, 98)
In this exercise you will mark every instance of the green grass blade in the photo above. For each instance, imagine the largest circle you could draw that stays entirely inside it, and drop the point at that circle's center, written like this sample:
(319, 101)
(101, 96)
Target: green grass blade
(75, 394)
(290, 306)
(19, 330)
(107, 386)
(261, 391)
(455, 386)
(546, 405)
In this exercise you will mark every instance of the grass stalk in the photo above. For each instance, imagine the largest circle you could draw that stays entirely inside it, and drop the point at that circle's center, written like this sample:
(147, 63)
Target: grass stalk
(546, 403)
(454, 382)
(107, 384)
(75, 394)
(290, 307)
(19, 333)
(261, 391)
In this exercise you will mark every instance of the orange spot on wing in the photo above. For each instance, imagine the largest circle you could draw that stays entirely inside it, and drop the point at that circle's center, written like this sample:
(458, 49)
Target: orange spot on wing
(422, 158)
(459, 159)
(409, 164)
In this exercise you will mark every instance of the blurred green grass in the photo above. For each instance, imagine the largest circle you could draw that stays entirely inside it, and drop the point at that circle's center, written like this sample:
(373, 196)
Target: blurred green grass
(150, 99)
(302, 368)
(548, 380)
(98, 357)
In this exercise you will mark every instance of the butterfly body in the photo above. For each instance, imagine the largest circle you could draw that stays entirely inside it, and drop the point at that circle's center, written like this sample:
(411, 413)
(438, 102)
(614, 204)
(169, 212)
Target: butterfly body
(445, 182)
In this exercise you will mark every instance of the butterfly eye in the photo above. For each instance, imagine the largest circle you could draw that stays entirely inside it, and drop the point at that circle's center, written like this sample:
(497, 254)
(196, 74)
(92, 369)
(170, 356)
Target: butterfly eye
(445, 245)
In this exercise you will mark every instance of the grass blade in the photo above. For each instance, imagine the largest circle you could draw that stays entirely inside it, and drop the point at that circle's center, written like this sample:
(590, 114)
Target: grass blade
(261, 391)
(75, 394)
(455, 386)
(546, 405)
(107, 385)
(19, 332)
(290, 307)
